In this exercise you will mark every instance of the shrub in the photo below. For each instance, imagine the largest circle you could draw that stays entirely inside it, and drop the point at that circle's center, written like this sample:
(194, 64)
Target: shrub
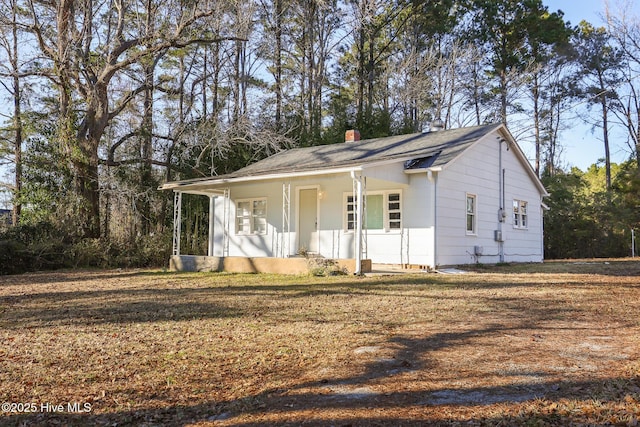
(30, 248)
(42, 247)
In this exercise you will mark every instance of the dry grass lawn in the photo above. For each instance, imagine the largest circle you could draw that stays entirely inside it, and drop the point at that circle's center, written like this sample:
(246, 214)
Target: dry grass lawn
(552, 344)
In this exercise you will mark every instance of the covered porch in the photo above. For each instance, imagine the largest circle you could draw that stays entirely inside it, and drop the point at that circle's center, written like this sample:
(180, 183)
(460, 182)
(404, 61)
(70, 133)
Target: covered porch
(284, 241)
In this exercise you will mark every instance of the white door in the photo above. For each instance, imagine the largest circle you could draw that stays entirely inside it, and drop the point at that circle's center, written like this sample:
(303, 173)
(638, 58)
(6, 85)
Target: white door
(308, 220)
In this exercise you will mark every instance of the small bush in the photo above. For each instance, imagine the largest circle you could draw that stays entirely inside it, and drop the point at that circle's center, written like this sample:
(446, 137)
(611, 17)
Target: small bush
(324, 267)
(89, 253)
(145, 251)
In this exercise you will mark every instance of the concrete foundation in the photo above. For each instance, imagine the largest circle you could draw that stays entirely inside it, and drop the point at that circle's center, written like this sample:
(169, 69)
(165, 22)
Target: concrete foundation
(261, 265)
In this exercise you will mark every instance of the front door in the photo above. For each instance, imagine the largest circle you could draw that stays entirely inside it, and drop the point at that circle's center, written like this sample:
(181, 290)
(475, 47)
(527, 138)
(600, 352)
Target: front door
(308, 220)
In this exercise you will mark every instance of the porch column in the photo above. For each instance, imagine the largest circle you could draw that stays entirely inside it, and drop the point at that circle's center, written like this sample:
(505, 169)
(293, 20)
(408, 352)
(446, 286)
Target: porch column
(357, 179)
(177, 221)
(226, 221)
(212, 204)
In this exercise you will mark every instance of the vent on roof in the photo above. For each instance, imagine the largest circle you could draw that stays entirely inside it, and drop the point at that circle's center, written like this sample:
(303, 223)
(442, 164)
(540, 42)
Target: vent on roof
(421, 163)
(352, 135)
(436, 125)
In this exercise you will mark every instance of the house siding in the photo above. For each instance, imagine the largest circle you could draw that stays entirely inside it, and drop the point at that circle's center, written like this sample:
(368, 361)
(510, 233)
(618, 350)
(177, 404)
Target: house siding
(478, 172)
(433, 213)
(412, 244)
(522, 245)
(419, 220)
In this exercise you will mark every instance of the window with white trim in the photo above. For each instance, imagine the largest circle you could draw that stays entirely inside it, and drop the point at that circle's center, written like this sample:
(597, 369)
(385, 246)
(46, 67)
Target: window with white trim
(251, 216)
(471, 213)
(384, 211)
(520, 217)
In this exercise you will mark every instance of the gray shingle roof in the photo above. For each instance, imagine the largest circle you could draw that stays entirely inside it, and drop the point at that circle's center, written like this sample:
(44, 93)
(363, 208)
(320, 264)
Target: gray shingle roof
(447, 145)
(432, 149)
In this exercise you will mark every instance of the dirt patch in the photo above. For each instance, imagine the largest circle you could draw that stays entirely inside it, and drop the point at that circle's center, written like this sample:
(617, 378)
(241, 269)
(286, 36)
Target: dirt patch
(520, 345)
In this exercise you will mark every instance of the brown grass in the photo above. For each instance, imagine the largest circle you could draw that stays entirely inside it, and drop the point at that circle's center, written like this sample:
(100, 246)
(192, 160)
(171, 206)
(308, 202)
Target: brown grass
(552, 344)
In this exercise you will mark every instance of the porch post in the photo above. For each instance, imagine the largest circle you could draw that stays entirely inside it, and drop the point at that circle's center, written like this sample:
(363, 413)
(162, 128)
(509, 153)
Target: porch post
(285, 250)
(358, 231)
(177, 221)
(226, 221)
(212, 204)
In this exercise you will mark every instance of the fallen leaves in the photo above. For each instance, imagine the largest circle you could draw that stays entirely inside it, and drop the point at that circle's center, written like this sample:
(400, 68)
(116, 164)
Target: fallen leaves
(496, 348)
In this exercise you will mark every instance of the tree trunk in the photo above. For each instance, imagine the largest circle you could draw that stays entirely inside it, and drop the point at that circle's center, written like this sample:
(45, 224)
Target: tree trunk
(605, 128)
(476, 94)
(361, 67)
(81, 145)
(216, 82)
(278, 65)
(236, 83)
(146, 172)
(503, 96)
(605, 138)
(86, 187)
(536, 120)
(637, 135)
(17, 122)
(17, 118)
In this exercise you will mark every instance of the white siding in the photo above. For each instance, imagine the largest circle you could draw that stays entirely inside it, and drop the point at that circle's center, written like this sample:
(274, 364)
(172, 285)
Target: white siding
(333, 241)
(521, 245)
(413, 244)
(433, 213)
(478, 172)
(251, 245)
(419, 220)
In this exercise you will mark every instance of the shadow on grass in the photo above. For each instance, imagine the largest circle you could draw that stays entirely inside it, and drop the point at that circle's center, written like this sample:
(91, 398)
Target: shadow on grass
(91, 307)
(350, 397)
(66, 276)
(542, 403)
(111, 306)
(320, 400)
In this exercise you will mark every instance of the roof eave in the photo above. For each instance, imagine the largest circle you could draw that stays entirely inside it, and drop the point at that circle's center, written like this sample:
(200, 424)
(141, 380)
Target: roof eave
(523, 160)
(423, 170)
(196, 187)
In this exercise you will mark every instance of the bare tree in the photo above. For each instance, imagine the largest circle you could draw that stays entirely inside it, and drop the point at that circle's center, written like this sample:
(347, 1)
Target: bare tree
(89, 46)
(624, 27)
(10, 70)
(600, 64)
(550, 92)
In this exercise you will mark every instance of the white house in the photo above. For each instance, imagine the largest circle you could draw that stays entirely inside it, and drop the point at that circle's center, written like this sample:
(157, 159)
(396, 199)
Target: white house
(449, 197)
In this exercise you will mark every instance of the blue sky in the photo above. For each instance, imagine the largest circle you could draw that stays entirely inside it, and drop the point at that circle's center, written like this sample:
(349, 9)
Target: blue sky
(582, 145)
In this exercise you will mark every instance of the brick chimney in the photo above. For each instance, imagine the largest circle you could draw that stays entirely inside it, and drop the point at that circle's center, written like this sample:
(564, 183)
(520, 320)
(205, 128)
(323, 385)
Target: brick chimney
(352, 135)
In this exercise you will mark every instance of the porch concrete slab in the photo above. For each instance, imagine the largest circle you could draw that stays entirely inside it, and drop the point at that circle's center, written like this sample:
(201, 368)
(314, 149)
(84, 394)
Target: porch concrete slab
(293, 265)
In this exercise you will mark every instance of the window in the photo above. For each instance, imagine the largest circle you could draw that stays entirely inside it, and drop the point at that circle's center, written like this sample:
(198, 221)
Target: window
(471, 213)
(251, 216)
(394, 211)
(384, 211)
(520, 218)
(375, 212)
(351, 213)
